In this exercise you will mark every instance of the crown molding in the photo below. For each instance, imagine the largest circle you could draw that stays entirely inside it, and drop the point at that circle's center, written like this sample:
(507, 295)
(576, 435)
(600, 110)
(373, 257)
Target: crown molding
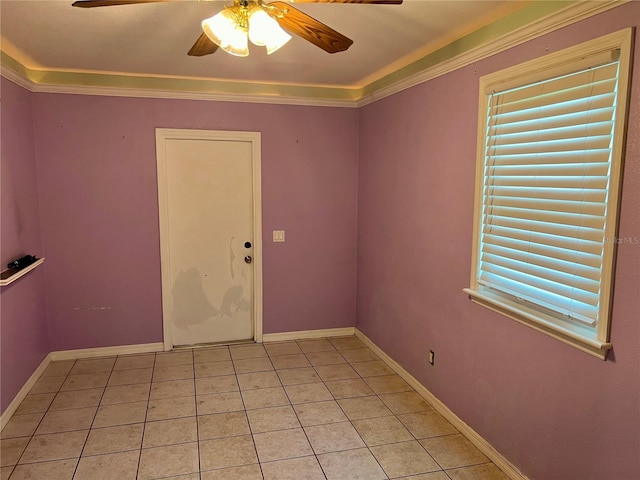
(547, 24)
(19, 79)
(519, 29)
(113, 85)
(186, 95)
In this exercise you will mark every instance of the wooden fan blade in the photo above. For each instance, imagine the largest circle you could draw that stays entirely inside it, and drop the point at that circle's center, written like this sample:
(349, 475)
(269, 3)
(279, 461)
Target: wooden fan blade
(378, 2)
(295, 21)
(203, 46)
(110, 3)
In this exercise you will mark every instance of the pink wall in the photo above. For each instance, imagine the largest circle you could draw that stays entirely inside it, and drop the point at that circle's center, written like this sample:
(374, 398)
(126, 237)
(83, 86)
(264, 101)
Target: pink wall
(555, 412)
(98, 195)
(23, 319)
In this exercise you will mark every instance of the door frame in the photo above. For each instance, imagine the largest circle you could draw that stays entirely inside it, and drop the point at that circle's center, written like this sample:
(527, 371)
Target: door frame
(253, 138)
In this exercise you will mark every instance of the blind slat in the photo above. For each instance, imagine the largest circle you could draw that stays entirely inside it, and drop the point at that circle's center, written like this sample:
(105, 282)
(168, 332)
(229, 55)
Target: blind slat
(542, 181)
(540, 96)
(551, 263)
(559, 109)
(565, 219)
(588, 208)
(579, 255)
(572, 169)
(559, 158)
(588, 298)
(577, 118)
(593, 234)
(552, 100)
(572, 308)
(592, 195)
(562, 145)
(553, 241)
(579, 131)
(585, 84)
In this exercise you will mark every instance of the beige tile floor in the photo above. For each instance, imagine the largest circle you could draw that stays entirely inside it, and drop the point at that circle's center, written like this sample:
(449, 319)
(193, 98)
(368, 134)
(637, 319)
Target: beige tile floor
(326, 409)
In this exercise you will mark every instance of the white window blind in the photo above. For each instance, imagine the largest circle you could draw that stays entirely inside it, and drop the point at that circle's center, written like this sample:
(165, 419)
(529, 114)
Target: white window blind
(551, 135)
(546, 181)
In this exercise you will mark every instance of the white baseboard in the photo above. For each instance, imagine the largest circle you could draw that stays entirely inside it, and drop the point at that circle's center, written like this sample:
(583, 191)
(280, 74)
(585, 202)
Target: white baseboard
(106, 351)
(474, 437)
(305, 334)
(26, 388)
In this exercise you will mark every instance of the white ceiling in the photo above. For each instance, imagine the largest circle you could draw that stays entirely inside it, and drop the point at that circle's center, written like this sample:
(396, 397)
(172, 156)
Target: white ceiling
(153, 39)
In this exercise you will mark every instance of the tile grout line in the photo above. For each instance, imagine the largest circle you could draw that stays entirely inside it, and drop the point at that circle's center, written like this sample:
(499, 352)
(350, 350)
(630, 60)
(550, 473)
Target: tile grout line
(335, 349)
(195, 401)
(330, 392)
(198, 415)
(244, 406)
(315, 455)
(351, 421)
(144, 424)
(84, 445)
(156, 365)
(43, 415)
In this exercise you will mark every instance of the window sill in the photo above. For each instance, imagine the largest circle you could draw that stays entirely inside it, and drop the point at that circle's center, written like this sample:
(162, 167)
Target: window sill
(589, 345)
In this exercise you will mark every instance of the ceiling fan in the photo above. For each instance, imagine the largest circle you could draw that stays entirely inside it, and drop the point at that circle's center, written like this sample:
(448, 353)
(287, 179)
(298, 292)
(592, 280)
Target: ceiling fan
(260, 22)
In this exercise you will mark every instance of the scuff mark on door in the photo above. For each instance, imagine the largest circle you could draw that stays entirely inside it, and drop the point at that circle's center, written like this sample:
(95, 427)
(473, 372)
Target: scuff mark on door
(235, 298)
(190, 303)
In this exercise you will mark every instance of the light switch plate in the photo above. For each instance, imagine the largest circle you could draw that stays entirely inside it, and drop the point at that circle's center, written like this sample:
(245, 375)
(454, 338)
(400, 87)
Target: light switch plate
(278, 236)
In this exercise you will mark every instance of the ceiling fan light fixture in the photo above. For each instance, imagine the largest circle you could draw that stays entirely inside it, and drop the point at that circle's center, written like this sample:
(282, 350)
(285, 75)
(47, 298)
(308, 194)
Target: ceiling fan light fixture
(229, 29)
(279, 39)
(238, 44)
(224, 30)
(259, 26)
(264, 31)
(219, 27)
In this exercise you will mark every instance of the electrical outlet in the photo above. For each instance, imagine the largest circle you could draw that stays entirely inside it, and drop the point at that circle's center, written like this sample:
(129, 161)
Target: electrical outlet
(432, 357)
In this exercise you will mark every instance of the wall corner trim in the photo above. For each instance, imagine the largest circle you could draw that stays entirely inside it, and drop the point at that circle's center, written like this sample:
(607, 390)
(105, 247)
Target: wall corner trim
(474, 437)
(24, 391)
(305, 334)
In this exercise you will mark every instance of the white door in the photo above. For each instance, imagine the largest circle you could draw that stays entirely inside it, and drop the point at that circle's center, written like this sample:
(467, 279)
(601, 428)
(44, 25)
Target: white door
(209, 199)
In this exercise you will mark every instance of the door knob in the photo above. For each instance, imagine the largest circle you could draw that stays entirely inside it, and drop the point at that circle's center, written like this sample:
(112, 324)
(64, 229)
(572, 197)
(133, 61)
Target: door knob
(248, 259)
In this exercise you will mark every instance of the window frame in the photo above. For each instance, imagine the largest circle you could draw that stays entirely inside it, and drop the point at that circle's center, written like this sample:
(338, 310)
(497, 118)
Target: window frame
(572, 59)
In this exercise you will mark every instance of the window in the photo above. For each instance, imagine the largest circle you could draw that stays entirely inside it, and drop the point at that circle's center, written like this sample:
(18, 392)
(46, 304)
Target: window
(550, 153)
